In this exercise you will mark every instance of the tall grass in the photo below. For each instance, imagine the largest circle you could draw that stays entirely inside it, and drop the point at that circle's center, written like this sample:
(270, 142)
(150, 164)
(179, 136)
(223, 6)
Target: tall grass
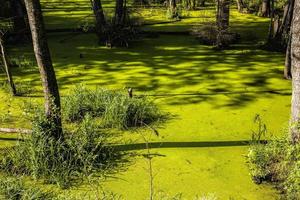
(114, 107)
(277, 161)
(60, 161)
(15, 189)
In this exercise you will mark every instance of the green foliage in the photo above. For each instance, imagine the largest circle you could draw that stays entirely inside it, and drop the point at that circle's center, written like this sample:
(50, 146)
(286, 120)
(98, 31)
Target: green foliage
(277, 162)
(15, 189)
(120, 35)
(207, 34)
(115, 108)
(62, 160)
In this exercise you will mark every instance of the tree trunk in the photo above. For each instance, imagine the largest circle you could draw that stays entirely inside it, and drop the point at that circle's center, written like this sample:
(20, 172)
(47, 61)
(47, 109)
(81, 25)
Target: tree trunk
(42, 54)
(222, 21)
(120, 12)
(288, 62)
(100, 19)
(283, 33)
(295, 53)
(172, 5)
(19, 16)
(271, 26)
(240, 5)
(265, 8)
(7, 68)
(202, 3)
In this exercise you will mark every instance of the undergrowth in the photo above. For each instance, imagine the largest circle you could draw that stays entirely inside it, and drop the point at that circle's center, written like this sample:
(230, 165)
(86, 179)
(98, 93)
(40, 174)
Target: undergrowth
(61, 161)
(114, 107)
(278, 162)
(15, 189)
(207, 34)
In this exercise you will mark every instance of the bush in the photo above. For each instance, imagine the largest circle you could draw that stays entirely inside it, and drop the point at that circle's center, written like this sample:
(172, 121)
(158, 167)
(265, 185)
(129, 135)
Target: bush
(120, 35)
(278, 162)
(207, 34)
(14, 189)
(58, 161)
(115, 108)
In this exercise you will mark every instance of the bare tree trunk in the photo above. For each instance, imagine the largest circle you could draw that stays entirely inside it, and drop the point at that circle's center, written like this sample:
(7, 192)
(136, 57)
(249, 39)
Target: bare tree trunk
(222, 21)
(295, 53)
(100, 19)
(7, 68)
(172, 6)
(271, 26)
(240, 5)
(19, 17)
(42, 54)
(288, 61)
(120, 12)
(284, 29)
(265, 8)
(202, 3)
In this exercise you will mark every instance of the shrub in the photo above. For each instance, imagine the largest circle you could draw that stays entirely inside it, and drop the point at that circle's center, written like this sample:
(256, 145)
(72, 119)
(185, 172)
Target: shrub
(115, 108)
(207, 34)
(120, 35)
(277, 162)
(58, 161)
(14, 189)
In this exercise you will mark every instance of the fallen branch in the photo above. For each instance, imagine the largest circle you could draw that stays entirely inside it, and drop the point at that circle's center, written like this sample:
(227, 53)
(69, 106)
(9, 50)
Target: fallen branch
(15, 130)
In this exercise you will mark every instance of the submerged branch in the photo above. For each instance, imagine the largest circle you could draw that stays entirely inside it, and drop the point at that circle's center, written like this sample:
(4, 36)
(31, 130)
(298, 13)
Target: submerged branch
(15, 130)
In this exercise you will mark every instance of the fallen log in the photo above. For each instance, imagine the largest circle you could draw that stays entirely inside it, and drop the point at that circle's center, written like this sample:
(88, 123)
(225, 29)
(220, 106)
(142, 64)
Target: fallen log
(15, 130)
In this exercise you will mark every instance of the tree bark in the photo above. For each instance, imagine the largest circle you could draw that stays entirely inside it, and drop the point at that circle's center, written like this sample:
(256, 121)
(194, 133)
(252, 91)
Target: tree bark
(100, 19)
(265, 8)
(172, 7)
(42, 54)
(19, 16)
(120, 12)
(288, 62)
(7, 67)
(240, 5)
(295, 53)
(222, 22)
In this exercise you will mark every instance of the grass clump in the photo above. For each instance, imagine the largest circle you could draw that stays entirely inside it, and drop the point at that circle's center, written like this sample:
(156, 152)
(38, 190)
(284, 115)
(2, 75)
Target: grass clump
(207, 34)
(15, 189)
(114, 107)
(60, 161)
(277, 162)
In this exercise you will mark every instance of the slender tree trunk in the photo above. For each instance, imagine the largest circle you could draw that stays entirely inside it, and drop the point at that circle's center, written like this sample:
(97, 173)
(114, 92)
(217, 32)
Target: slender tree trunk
(295, 53)
(202, 3)
(265, 8)
(7, 68)
(284, 29)
(42, 54)
(288, 61)
(172, 5)
(271, 26)
(222, 21)
(100, 19)
(19, 16)
(120, 12)
(240, 5)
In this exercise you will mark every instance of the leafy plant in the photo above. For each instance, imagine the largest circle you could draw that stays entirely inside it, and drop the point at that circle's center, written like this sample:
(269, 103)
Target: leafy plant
(207, 34)
(15, 189)
(115, 108)
(61, 161)
(277, 161)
